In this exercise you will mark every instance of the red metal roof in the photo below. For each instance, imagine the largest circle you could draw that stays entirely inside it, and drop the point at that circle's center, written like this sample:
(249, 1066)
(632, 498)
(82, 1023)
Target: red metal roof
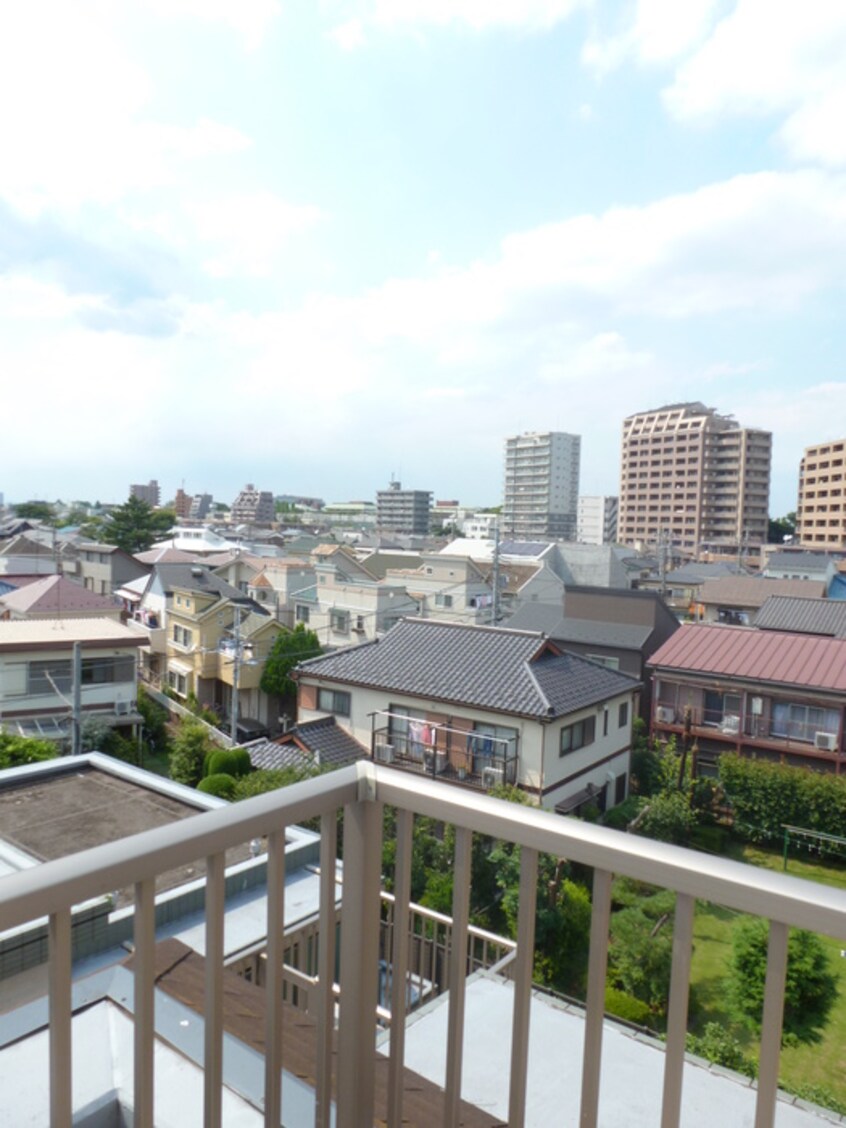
(753, 655)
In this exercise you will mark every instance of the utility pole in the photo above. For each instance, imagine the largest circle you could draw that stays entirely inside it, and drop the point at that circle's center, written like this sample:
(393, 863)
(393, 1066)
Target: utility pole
(236, 670)
(495, 576)
(76, 721)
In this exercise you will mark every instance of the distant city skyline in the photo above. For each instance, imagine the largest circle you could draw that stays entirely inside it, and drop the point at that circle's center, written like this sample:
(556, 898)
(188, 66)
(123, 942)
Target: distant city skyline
(370, 238)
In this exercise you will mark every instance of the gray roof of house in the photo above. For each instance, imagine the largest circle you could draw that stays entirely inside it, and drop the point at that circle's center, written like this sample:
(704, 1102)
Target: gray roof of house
(547, 617)
(523, 548)
(803, 616)
(320, 742)
(195, 577)
(802, 561)
(508, 671)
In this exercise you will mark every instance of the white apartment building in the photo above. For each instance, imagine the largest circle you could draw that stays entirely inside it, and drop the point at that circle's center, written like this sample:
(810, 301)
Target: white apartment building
(541, 485)
(597, 519)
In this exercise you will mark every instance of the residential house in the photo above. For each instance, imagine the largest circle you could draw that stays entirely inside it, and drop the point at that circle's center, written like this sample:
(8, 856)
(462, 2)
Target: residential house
(349, 604)
(103, 568)
(803, 616)
(447, 587)
(737, 599)
(802, 564)
(54, 597)
(217, 643)
(680, 586)
(617, 629)
(770, 695)
(22, 555)
(480, 706)
(37, 678)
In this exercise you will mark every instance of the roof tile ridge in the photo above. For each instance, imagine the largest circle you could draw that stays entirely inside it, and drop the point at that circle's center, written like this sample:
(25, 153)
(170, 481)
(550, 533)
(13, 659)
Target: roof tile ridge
(547, 704)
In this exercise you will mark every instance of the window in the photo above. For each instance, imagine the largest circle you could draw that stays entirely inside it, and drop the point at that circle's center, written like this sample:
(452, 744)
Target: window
(177, 682)
(802, 722)
(104, 671)
(605, 660)
(334, 701)
(182, 636)
(443, 600)
(302, 613)
(49, 676)
(578, 735)
(623, 715)
(339, 621)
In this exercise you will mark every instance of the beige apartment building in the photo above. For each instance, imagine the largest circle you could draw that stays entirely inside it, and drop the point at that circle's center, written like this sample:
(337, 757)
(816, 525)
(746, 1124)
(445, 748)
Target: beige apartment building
(821, 508)
(692, 479)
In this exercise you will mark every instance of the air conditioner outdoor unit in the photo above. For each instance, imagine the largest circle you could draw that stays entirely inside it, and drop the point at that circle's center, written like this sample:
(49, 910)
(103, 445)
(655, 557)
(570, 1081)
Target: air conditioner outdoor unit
(731, 723)
(665, 715)
(492, 777)
(757, 706)
(827, 741)
(385, 753)
(121, 708)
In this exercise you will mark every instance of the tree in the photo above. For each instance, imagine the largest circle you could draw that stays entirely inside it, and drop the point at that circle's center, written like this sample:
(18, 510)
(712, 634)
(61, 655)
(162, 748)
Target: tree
(190, 747)
(289, 648)
(133, 526)
(35, 511)
(18, 750)
(810, 987)
(780, 529)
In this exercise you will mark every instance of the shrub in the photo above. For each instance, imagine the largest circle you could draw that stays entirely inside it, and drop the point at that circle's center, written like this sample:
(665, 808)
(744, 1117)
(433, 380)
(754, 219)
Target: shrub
(233, 761)
(268, 779)
(716, 1044)
(764, 796)
(190, 747)
(18, 750)
(219, 784)
(627, 1007)
(619, 817)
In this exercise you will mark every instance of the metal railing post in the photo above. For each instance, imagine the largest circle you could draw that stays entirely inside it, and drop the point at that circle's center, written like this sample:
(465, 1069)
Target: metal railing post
(359, 960)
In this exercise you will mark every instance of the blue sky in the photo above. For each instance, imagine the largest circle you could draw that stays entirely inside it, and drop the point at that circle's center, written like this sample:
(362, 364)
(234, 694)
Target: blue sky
(313, 244)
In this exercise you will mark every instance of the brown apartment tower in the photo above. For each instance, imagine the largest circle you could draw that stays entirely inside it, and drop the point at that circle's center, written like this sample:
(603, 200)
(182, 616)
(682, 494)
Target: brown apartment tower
(821, 510)
(693, 480)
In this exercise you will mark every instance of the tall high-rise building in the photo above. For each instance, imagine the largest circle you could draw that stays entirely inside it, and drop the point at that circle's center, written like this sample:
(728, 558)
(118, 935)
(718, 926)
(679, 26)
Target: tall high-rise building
(541, 498)
(691, 479)
(253, 507)
(149, 493)
(403, 511)
(597, 520)
(821, 508)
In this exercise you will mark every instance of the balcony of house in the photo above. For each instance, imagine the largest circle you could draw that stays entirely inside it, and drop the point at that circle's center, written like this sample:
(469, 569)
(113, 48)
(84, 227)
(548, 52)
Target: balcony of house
(334, 1065)
(476, 758)
(796, 731)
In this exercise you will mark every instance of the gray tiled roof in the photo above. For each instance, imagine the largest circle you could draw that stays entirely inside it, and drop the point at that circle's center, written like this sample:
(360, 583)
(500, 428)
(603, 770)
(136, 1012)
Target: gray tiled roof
(328, 742)
(547, 617)
(493, 668)
(803, 616)
(268, 755)
(194, 577)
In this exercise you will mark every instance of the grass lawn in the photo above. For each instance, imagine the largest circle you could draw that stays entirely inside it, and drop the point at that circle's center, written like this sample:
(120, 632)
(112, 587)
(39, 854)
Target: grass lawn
(823, 1063)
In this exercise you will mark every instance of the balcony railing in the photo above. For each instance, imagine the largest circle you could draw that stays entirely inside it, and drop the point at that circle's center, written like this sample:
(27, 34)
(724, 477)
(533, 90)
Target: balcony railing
(471, 758)
(361, 791)
(753, 726)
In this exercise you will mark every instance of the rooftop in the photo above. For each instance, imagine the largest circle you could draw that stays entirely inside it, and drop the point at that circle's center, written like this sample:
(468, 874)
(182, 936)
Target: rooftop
(508, 671)
(803, 616)
(62, 633)
(55, 594)
(767, 656)
(753, 591)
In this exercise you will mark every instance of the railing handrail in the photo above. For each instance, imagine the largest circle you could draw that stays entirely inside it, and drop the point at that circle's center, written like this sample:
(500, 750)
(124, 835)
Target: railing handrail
(442, 918)
(64, 882)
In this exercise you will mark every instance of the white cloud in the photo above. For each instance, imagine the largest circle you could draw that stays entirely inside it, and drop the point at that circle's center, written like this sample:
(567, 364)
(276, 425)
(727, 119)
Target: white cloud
(773, 57)
(658, 32)
(478, 15)
(349, 35)
(248, 230)
(250, 19)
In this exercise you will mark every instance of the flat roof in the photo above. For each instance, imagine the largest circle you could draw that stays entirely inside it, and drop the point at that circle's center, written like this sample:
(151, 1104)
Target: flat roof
(62, 633)
(67, 806)
(632, 1067)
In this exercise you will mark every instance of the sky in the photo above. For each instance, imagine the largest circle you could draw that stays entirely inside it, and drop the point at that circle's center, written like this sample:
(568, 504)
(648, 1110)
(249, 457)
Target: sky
(314, 244)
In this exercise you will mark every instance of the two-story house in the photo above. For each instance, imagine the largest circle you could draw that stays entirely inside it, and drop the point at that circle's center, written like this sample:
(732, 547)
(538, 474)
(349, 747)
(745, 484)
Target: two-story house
(481, 706)
(448, 588)
(768, 694)
(217, 643)
(37, 675)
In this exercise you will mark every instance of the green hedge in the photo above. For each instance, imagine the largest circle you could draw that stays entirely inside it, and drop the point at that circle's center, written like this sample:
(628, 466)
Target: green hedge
(233, 761)
(219, 784)
(764, 796)
(627, 1007)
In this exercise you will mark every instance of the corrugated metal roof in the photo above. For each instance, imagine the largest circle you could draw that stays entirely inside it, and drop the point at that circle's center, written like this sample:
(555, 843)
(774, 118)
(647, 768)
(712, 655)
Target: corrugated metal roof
(484, 667)
(803, 616)
(753, 655)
